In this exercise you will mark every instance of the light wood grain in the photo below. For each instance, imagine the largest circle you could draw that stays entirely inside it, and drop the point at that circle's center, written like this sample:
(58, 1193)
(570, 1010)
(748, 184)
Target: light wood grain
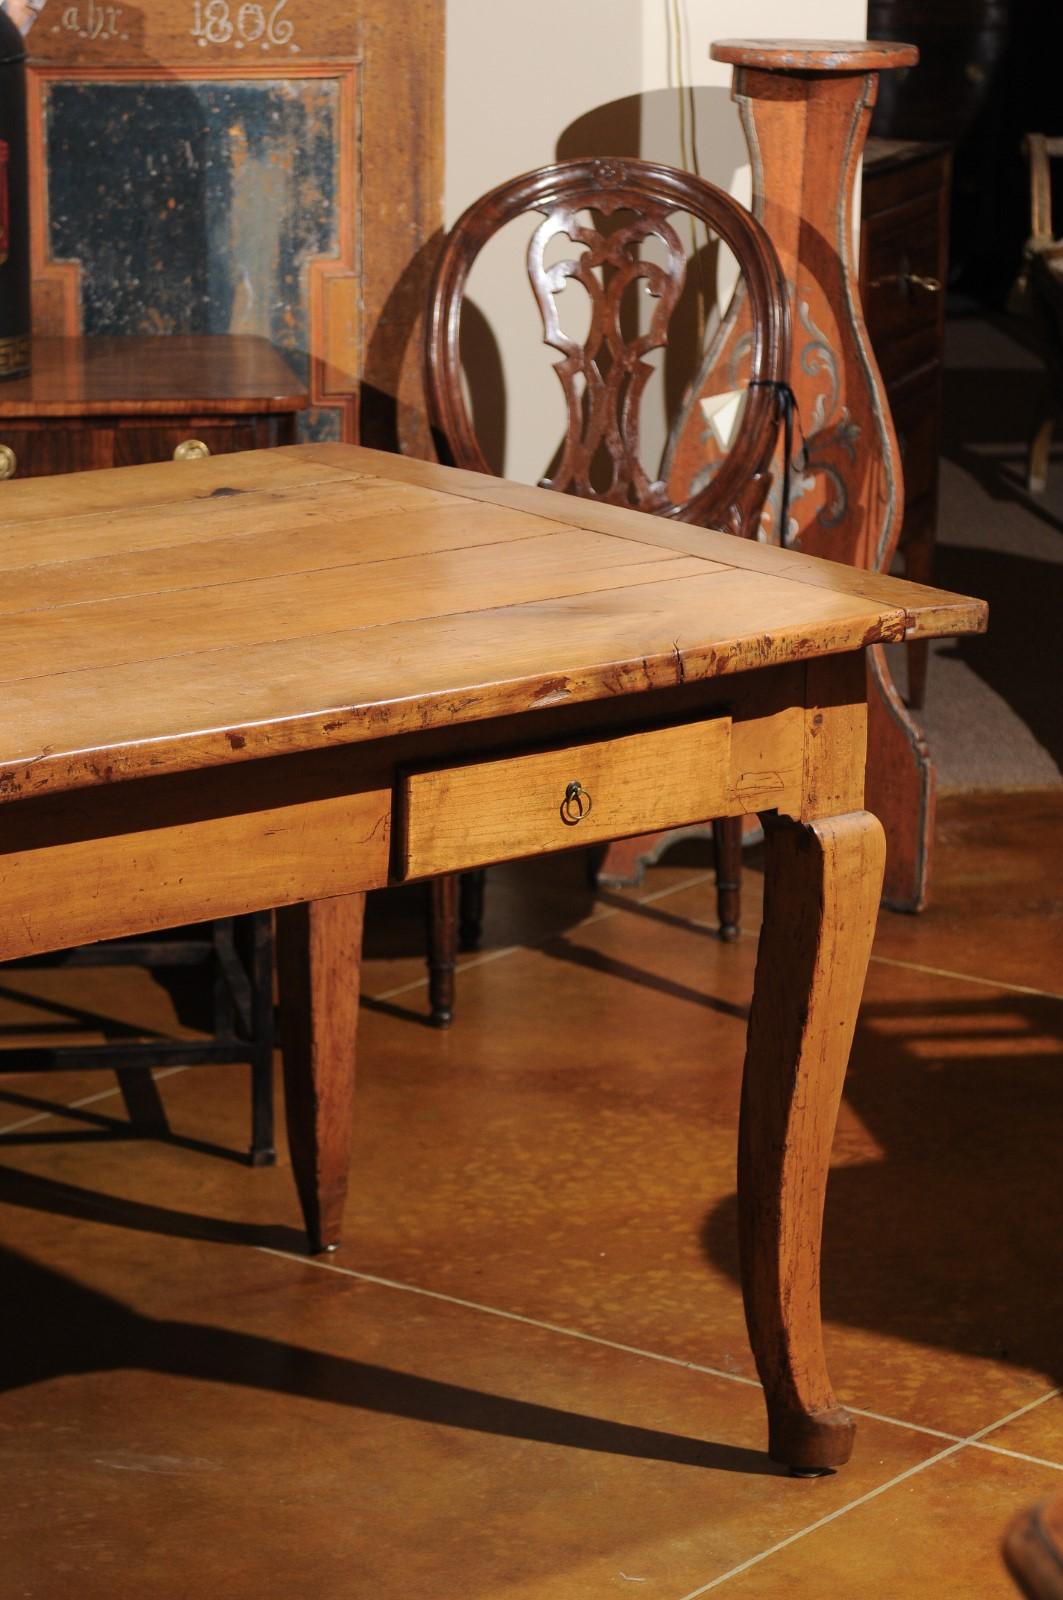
(822, 887)
(128, 858)
(160, 613)
(932, 612)
(471, 815)
(319, 955)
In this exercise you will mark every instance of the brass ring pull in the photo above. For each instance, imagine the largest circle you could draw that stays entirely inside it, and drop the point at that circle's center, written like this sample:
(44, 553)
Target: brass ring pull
(8, 461)
(576, 805)
(191, 450)
(931, 285)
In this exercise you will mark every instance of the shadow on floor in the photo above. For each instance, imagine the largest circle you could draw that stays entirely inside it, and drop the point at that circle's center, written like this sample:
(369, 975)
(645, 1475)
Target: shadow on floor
(63, 1327)
(950, 1236)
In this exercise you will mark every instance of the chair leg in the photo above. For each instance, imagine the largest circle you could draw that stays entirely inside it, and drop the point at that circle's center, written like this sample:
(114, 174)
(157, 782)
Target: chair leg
(260, 966)
(471, 908)
(1040, 441)
(442, 948)
(727, 850)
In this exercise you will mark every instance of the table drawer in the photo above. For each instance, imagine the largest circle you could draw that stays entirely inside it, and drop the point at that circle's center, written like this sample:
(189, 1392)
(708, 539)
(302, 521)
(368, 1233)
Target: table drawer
(550, 798)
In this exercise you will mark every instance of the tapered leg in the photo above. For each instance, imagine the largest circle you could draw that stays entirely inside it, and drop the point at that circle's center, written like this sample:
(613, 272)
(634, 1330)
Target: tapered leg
(821, 897)
(319, 954)
(727, 853)
(442, 948)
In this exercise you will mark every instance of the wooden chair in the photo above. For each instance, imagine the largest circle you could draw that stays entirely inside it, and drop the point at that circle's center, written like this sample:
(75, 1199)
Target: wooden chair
(1041, 287)
(610, 210)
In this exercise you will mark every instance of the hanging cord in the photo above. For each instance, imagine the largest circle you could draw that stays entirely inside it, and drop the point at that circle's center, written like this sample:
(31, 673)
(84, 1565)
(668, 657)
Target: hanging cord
(788, 413)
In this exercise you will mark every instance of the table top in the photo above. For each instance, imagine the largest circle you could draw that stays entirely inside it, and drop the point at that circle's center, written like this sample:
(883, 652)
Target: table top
(166, 618)
(169, 374)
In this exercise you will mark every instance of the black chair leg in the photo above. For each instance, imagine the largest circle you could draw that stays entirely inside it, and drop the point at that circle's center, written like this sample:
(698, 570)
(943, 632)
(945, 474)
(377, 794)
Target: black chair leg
(727, 849)
(471, 908)
(442, 948)
(260, 965)
(243, 1010)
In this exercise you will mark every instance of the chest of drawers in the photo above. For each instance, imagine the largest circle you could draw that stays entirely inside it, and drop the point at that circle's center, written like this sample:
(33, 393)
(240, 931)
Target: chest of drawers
(117, 402)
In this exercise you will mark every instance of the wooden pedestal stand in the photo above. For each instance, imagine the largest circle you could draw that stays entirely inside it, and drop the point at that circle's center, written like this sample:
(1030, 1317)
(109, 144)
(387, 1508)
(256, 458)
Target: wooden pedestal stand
(805, 109)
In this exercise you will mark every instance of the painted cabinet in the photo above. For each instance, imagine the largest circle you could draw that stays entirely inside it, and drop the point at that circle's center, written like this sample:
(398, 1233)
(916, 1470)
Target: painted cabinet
(234, 167)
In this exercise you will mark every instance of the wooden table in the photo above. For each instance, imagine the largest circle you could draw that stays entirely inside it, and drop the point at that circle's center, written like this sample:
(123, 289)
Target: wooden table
(285, 678)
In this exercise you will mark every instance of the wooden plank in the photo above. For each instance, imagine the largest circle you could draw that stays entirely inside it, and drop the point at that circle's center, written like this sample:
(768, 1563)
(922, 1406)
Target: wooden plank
(225, 704)
(162, 485)
(932, 612)
(126, 861)
(474, 813)
(225, 512)
(158, 627)
(290, 539)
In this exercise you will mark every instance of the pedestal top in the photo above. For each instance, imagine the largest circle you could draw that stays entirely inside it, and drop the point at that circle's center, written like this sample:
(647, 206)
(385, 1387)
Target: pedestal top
(816, 55)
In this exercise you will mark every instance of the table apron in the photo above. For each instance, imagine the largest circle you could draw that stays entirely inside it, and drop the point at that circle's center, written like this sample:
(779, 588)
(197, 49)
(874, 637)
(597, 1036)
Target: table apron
(156, 852)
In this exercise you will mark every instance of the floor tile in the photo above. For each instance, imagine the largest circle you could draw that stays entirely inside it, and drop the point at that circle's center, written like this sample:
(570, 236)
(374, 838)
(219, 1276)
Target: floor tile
(937, 1533)
(231, 1421)
(1037, 1433)
(996, 907)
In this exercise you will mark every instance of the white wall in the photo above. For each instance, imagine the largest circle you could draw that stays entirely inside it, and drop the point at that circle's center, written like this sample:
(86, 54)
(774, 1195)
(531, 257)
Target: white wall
(519, 76)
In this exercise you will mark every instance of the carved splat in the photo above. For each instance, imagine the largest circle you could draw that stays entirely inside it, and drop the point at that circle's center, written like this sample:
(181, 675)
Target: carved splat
(611, 211)
(604, 374)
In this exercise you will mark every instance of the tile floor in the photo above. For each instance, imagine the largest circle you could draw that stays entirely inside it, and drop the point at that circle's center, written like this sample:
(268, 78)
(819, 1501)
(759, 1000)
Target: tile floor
(525, 1373)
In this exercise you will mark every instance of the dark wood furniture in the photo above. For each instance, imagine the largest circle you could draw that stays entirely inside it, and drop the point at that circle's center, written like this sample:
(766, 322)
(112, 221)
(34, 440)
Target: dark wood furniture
(1042, 291)
(618, 224)
(392, 669)
(122, 401)
(904, 246)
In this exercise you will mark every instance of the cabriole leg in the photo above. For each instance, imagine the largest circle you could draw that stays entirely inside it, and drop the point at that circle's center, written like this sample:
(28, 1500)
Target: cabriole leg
(821, 897)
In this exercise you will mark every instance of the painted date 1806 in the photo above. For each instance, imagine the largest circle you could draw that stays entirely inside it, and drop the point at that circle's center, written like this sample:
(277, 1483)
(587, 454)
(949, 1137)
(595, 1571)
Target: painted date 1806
(243, 25)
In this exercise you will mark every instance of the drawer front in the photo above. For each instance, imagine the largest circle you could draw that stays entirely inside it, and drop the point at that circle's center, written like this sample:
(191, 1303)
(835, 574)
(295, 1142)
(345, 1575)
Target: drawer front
(475, 813)
(901, 259)
(137, 444)
(51, 448)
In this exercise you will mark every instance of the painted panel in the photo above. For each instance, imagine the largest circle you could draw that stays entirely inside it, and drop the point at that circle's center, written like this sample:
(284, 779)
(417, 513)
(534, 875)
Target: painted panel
(196, 206)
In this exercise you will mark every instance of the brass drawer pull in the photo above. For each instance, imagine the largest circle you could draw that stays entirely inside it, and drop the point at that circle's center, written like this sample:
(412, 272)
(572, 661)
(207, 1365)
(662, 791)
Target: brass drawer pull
(576, 805)
(8, 461)
(191, 450)
(906, 281)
